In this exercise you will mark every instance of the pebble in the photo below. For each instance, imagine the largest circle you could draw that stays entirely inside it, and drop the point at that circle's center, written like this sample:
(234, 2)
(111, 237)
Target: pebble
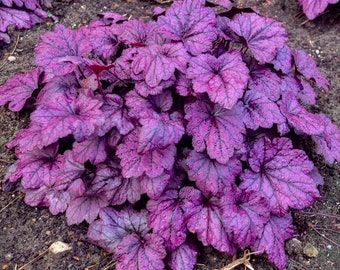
(58, 247)
(11, 58)
(310, 251)
(8, 256)
(330, 247)
(294, 246)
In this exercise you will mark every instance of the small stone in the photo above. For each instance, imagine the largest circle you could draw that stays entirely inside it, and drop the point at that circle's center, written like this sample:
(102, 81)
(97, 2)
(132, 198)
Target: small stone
(330, 247)
(310, 251)
(11, 58)
(294, 246)
(59, 247)
(5, 266)
(48, 233)
(9, 256)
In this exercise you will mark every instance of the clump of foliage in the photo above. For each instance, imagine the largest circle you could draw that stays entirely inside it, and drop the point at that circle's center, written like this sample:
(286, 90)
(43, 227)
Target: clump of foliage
(22, 14)
(313, 8)
(161, 134)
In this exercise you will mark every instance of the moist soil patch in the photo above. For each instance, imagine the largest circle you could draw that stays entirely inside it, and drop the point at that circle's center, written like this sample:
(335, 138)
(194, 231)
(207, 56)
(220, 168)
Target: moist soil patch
(26, 232)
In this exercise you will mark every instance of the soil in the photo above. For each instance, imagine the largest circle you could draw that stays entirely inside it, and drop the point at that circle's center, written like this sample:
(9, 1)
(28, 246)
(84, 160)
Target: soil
(26, 232)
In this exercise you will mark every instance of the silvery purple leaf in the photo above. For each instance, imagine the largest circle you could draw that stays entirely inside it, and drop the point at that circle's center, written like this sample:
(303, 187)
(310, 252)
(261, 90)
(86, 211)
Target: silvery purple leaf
(312, 8)
(283, 60)
(184, 257)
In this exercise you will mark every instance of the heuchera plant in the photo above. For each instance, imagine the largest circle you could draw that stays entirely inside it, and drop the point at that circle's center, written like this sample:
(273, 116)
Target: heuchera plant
(186, 128)
(22, 14)
(313, 8)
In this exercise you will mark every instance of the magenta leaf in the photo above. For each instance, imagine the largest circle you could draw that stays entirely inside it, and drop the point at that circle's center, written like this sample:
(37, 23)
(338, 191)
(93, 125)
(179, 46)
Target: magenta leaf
(27, 139)
(276, 231)
(37, 167)
(279, 173)
(307, 94)
(205, 218)
(299, 117)
(114, 225)
(283, 60)
(152, 162)
(246, 218)
(215, 129)
(60, 52)
(68, 115)
(307, 67)
(18, 89)
(158, 63)
(224, 78)
(312, 8)
(137, 33)
(154, 187)
(328, 142)
(159, 131)
(11, 16)
(191, 23)
(259, 111)
(211, 176)
(136, 253)
(184, 257)
(266, 82)
(125, 189)
(166, 218)
(57, 200)
(262, 35)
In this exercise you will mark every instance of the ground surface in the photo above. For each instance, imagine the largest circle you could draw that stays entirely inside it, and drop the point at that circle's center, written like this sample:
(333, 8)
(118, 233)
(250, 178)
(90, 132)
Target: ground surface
(26, 232)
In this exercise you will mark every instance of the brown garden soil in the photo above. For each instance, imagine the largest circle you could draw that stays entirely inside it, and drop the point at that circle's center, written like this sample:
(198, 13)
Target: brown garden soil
(26, 232)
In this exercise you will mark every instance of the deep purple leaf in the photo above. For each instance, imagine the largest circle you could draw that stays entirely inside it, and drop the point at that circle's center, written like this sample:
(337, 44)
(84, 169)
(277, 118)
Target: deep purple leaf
(60, 52)
(10, 16)
(190, 23)
(283, 60)
(259, 111)
(205, 218)
(114, 225)
(153, 162)
(166, 218)
(211, 176)
(275, 232)
(137, 33)
(18, 89)
(312, 8)
(215, 129)
(224, 78)
(246, 217)
(154, 187)
(299, 117)
(183, 258)
(134, 253)
(307, 67)
(279, 173)
(183, 85)
(328, 142)
(262, 35)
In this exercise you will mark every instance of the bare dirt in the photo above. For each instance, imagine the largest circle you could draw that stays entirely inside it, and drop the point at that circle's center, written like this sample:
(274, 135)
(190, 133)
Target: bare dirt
(26, 232)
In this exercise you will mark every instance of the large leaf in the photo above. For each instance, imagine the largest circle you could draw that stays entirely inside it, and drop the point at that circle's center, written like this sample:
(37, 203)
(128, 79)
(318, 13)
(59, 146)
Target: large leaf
(280, 174)
(190, 23)
(184, 257)
(224, 78)
(313, 8)
(262, 35)
(210, 175)
(18, 89)
(215, 129)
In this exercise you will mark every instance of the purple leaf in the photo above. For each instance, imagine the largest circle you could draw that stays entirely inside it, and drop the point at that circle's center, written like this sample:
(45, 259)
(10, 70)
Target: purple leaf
(135, 253)
(299, 117)
(262, 35)
(153, 162)
(159, 131)
(139, 105)
(307, 67)
(60, 52)
(143, 89)
(215, 129)
(279, 173)
(137, 33)
(68, 115)
(283, 60)
(183, 258)
(307, 94)
(313, 8)
(38, 167)
(57, 200)
(18, 89)
(275, 232)
(211, 176)
(266, 82)
(116, 115)
(328, 142)
(166, 218)
(114, 225)
(183, 85)
(93, 149)
(191, 23)
(158, 63)
(205, 218)
(125, 189)
(154, 187)
(26, 139)
(259, 111)
(246, 218)
(10, 16)
(224, 79)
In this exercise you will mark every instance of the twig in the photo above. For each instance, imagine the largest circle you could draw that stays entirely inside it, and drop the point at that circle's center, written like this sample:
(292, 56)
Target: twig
(11, 53)
(110, 264)
(34, 259)
(325, 237)
(11, 202)
(317, 214)
(244, 260)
